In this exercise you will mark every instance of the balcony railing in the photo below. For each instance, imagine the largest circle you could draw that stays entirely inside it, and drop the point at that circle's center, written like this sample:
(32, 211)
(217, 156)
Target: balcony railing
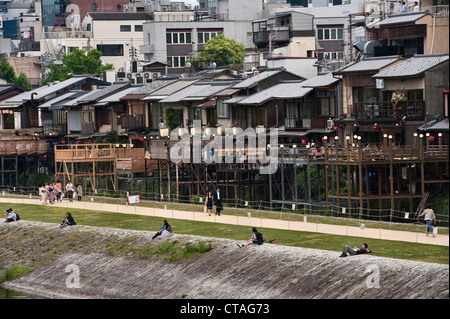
(388, 111)
(297, 122)
(132, 121)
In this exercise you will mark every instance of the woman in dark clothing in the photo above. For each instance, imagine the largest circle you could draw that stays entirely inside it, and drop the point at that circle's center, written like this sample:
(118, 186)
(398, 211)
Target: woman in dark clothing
(68, 221)
(257, 239)
(209, 202)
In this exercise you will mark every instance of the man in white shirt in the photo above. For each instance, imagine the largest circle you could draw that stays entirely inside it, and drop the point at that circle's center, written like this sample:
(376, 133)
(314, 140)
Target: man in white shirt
(429, 218)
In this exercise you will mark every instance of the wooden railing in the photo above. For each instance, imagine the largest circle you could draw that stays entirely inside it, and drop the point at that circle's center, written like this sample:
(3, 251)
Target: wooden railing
(388, 111)
(21, 147)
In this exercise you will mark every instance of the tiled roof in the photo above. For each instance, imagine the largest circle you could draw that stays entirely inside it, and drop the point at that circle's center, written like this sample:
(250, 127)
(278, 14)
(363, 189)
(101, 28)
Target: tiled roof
(368, 64)
(45, 90)
(436, 125)
(284, 90)
(413, 66)
(402, 18)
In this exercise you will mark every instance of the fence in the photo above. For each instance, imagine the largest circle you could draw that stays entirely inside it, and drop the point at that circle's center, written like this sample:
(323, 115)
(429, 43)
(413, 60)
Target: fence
(314, 215)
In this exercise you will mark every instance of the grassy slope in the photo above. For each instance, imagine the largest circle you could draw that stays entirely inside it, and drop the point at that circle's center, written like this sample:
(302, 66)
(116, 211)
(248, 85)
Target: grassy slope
(384, 248)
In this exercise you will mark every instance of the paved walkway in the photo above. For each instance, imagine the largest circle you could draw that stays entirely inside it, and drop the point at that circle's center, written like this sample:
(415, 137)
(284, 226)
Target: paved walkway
(378, 233)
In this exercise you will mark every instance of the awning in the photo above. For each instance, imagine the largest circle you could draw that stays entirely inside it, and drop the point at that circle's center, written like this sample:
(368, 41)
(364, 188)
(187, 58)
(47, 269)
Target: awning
(291, 133)
(10, 106)
(208, 104)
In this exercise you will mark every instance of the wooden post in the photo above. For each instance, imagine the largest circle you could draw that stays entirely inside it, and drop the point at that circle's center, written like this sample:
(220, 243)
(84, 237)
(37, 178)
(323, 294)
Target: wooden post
(391, 175)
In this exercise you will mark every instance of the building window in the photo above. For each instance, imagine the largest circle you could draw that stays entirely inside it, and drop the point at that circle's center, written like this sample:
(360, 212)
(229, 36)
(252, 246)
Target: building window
(330, 55)
(204, 36)
(139, 28)
(125, 28)
(94, 7)
(177, 61)
(326, 106)
(110, 49)
(223, 109)
(175, 37)
(330, 33)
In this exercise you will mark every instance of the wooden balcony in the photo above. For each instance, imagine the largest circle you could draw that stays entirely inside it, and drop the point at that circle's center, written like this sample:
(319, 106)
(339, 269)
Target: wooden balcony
(23, 147)
(132, 121)
(370, 112)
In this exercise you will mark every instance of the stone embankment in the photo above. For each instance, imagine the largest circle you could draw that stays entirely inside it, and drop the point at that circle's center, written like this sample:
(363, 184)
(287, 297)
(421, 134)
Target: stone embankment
(92, 262)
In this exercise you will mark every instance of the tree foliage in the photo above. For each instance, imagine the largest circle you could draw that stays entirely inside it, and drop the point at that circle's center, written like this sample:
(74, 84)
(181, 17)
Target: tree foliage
(77, 62)
(7, 72)
(222, 51)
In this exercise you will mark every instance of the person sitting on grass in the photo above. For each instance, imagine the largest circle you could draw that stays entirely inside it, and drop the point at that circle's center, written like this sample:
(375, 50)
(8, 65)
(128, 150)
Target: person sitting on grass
(355, 251)
(68, 221)
(11, 216)
(257, 239)
(164, 227)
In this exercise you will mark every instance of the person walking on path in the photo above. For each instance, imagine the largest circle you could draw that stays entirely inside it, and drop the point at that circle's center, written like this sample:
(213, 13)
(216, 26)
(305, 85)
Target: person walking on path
(43, 194)
(218, 201)
(355, 251)
(69, 189)
(209, 202)
(429, 218)
(51, 193)
(79, 190)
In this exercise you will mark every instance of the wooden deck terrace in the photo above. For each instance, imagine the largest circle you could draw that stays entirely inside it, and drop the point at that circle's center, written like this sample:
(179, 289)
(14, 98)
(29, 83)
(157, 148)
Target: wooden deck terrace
(129, 159)
(381, 155)
(23, 147)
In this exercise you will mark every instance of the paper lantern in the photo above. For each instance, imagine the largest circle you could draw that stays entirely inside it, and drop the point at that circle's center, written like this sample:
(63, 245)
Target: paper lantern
(335, 128)
(431, 138)
(375, 128)
(63, 141)
(141, 139)
(304, 141)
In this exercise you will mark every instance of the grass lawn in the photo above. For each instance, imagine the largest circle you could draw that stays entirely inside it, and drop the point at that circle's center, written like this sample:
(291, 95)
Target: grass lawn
(383, 248)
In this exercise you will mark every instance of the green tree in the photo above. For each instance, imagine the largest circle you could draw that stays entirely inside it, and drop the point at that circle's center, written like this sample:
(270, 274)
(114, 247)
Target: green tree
(7, 72)
(221, 50)
(77, 62)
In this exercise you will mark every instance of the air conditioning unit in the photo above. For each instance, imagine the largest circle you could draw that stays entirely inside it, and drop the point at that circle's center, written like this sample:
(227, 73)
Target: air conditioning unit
(146, 75)
(155, 75)
(129, 75)
(330, 124)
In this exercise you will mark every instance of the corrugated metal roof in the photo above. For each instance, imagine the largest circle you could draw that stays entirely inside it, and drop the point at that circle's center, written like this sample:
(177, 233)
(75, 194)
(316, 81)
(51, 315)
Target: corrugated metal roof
(116, 96)
(368, 64)
(173, 87)
(321, 80)
(45, 90)
(255, 79)
(152, 86)
(414, 66)
(207, 91)
(285, 90)
(61, 98)
(196, 92)
(100, 93)
(402, 18)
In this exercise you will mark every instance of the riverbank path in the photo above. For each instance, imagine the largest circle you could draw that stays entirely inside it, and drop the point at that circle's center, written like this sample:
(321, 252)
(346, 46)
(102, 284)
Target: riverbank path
(365, 232)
